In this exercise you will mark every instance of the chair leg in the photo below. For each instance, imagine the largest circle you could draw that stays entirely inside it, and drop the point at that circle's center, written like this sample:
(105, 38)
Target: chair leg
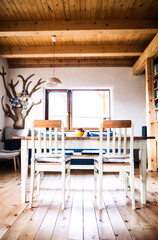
(132, 185)
(100, 187)
(95, 180)
(63, 188)
(42, 175)
(32, 182)
(18, 161)
(68, 179)
(125, 183)
(15, 164)
(38, 182)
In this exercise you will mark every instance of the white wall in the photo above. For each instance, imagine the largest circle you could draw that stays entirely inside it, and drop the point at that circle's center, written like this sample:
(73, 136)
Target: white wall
(3, 63)
(128, 91)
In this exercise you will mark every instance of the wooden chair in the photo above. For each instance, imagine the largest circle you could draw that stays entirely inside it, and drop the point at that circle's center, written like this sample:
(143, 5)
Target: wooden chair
(118, 156)
(44, 159)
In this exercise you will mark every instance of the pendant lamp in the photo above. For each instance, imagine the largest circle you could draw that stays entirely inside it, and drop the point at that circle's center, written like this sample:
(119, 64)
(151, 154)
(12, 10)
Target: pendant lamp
(54, 82)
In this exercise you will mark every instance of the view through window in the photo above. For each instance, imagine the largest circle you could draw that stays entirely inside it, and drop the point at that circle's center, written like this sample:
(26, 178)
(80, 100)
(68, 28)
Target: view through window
(78, 108)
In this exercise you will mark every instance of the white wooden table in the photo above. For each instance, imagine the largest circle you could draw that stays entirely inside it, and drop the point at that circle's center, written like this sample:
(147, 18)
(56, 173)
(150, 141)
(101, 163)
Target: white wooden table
(83, 143)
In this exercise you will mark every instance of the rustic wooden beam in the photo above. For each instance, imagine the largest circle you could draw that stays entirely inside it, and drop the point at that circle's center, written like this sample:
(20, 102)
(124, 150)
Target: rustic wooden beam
(127, 26)
(31, 63)
(150, 51)
(150, 113)
(71, 51)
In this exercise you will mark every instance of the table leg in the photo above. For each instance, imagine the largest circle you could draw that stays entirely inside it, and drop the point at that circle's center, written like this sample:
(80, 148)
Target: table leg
(24, 170)
(142, 168)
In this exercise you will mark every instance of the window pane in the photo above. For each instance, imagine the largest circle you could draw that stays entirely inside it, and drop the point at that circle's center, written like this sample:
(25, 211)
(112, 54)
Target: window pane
(58, 106)
(89, 107)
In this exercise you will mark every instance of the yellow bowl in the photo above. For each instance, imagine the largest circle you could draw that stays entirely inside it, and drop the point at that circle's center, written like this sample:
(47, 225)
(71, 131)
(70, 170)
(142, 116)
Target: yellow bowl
(79, 132)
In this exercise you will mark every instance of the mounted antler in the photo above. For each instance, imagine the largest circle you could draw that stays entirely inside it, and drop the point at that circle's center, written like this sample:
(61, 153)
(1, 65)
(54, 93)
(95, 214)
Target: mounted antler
(25, 81)
(8, 111)
(34, 89)
(3, 77)
(19, 105)
(12, 87)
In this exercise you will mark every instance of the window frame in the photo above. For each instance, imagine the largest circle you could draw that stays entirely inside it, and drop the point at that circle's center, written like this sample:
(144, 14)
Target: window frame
(69, 105)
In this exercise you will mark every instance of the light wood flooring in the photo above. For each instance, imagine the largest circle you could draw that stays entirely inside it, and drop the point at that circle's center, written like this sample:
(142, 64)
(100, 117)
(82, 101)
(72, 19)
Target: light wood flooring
(81, 219)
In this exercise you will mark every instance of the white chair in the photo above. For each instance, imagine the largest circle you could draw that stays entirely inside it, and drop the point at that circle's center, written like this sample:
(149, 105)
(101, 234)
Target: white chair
(43, 156)
(118, 156)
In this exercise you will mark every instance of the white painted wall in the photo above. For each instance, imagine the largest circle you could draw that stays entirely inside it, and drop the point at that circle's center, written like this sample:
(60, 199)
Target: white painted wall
(3, 63)
(128, 91)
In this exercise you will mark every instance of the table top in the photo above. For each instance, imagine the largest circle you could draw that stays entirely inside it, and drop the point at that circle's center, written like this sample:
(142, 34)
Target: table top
(83, 138)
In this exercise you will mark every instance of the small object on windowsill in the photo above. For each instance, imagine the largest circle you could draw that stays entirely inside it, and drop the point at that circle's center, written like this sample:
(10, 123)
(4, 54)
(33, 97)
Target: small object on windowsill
(79, 132)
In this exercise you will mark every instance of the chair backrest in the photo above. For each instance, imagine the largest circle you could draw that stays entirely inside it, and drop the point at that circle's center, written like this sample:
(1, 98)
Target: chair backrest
(47, 139)
(116, 143)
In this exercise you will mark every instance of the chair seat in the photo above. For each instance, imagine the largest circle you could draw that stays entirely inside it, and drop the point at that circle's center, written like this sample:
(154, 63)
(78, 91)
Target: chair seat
(52, 159)
(10, 151)
(114, 160)
(8, 154)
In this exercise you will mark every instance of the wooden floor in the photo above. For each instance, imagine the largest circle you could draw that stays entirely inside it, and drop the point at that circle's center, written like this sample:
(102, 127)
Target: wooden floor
(81, 219)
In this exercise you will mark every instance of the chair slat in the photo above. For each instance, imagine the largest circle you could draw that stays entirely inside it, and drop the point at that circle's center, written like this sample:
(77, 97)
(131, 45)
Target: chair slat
(114, 141)
(119, 141)
(56, 140)
(108, 140)
(39, 142)
(101, 140)
(50, 141)
(125, 141)
(33, 142)
(131, 141)
(63, 141)
(45, 142)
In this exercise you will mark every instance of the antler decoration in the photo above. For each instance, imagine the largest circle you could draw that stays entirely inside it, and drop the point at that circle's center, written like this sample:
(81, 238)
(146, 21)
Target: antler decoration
(18, 114)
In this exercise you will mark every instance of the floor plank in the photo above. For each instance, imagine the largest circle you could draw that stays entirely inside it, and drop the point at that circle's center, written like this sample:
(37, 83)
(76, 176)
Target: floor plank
(81, 218)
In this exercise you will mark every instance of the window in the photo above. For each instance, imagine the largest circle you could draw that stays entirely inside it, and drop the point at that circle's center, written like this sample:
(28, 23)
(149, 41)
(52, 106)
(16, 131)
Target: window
(78, 108)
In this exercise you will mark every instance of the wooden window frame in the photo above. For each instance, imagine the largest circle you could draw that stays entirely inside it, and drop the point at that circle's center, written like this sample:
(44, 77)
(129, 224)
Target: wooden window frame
(69, 105)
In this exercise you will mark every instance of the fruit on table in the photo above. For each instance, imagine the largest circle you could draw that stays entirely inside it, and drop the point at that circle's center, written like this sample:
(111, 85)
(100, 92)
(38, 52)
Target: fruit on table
(79, 132)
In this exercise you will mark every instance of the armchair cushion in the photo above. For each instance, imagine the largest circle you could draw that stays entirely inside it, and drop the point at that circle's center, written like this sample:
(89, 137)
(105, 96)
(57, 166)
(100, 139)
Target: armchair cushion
(10, 132)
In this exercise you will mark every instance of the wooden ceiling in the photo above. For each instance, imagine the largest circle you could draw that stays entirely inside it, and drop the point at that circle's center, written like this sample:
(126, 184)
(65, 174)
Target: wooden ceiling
(88, 32)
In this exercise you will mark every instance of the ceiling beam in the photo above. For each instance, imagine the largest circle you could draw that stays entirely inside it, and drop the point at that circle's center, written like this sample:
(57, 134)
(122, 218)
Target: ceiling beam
(72, 51)
(150, 51)
(25, 63)
(113, 26)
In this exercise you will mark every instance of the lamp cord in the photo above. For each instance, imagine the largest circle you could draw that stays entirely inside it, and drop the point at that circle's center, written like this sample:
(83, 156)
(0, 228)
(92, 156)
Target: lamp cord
(54, 60)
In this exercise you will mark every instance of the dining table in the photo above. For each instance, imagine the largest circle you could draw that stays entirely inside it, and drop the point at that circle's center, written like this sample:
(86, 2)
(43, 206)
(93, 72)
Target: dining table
(84, 143)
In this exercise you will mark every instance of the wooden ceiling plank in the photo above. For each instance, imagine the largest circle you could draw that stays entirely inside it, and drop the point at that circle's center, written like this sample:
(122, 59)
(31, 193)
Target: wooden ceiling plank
(72, 6)
(42, 13)
(71, 51)
(48, 9)
(56, 9)
(150, 51)
(88, 9)
(35, 10)
(98, 9)
(67, 10)
(93, 6)
(25, 63)
(7, 10)
(21, 7)
(83, 9)
(26, 28)
(61, 9)
(4, 13)
(15, 9)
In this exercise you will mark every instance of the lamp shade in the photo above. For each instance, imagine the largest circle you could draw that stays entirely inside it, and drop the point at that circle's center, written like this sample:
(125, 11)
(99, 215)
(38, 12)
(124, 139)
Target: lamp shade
(54, 82)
